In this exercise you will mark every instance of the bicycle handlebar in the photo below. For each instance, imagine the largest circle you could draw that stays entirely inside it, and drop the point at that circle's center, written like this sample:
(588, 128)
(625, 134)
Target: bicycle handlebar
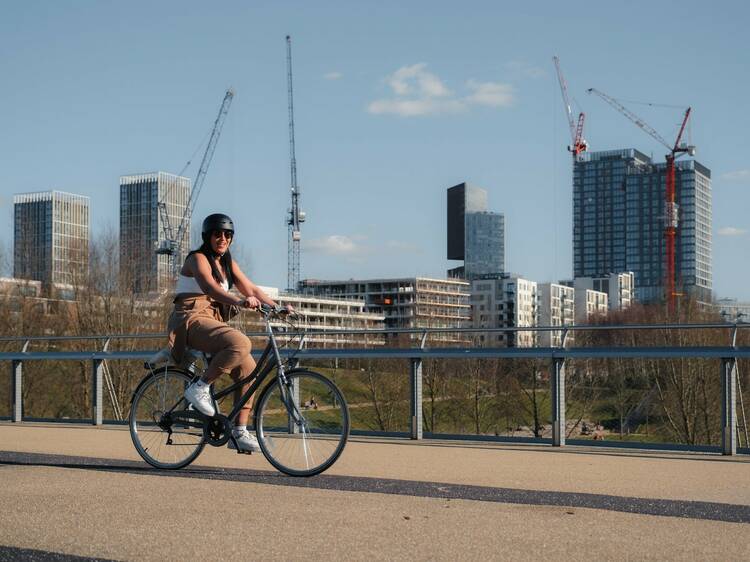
(268, 310)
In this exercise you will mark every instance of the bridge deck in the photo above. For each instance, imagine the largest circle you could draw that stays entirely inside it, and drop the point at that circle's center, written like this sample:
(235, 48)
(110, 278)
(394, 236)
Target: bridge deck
(83, 491)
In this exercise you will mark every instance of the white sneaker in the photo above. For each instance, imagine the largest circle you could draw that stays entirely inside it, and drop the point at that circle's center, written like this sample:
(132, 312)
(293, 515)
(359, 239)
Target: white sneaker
(199, 396)
(245, 440)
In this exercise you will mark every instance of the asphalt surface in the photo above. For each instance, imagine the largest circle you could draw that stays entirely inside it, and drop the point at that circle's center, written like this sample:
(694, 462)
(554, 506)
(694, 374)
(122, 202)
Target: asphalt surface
(82, 493)
(711, 511)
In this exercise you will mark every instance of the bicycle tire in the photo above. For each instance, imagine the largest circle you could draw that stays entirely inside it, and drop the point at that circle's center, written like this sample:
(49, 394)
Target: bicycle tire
(313, 445)
(157, 393)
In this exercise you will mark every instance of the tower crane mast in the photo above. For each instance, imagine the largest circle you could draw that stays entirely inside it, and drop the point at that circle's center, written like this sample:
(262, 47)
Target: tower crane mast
(671, 210)
(172, 246)
(294, 217)
(578, 144)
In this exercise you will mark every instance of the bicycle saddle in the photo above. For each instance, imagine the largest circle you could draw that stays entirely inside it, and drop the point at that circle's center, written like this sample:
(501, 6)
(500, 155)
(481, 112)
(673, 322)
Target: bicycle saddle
(163, 358)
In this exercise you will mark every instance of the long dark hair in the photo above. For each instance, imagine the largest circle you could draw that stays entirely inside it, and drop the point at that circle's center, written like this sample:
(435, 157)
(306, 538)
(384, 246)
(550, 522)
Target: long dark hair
(225, 261)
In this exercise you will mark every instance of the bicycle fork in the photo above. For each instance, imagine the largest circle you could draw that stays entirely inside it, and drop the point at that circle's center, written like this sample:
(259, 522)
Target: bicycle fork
(290, 399)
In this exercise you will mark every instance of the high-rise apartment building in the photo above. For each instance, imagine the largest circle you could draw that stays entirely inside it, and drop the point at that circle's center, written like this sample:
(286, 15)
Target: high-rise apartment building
(618, 222)
(142, 227)
(475, 235)
(51, 237)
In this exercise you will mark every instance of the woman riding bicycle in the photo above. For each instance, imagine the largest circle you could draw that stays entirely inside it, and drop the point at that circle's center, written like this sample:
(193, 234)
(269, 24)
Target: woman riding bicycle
(202, 306)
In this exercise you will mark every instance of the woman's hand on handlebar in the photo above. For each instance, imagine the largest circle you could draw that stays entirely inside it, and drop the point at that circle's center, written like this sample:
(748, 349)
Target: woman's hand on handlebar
(277, 309)
(251, 302)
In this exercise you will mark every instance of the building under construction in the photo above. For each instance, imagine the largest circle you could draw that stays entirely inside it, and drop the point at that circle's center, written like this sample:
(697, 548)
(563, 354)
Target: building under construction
(619, 213)
(409, 302)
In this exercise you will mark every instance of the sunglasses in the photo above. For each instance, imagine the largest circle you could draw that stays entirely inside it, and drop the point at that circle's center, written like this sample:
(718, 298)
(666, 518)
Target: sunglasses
(228, 234)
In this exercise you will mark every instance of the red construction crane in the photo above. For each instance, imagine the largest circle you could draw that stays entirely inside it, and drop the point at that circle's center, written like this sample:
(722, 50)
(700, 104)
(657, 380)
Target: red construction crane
(670, 208)
(578, 144)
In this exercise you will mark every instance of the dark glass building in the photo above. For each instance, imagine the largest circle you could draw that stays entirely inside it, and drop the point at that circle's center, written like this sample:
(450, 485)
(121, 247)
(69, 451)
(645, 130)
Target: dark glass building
(475, 235)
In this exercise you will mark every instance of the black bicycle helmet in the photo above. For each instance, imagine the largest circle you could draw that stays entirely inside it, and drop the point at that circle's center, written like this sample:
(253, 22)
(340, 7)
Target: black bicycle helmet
(217, 221)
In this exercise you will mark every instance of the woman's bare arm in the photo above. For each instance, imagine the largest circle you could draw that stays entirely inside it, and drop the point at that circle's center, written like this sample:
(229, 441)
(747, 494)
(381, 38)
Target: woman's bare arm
(201, 270)
(248, 288)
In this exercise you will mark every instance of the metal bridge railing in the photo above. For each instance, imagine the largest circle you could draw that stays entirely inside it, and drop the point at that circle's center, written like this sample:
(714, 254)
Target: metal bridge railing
(557, 357)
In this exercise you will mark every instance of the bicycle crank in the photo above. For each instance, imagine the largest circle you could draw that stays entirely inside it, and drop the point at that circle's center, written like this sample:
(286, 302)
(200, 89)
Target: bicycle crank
(217, 430)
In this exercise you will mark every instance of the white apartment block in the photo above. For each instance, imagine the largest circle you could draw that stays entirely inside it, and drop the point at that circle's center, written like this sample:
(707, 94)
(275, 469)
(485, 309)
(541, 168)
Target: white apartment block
(589, 303)
(505, 301)
(620, 288)
(556, 308)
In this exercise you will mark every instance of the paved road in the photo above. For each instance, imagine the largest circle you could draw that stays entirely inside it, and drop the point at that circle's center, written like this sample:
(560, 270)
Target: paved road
(82, 491)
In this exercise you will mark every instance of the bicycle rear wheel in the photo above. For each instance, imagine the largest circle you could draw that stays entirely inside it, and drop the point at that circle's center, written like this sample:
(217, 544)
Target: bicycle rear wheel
(161, 426)
(306, 438)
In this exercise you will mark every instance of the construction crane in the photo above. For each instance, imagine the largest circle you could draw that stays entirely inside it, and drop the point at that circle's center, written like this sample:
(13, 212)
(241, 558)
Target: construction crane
(671, 210)
(294, 217)
(578, 144)
(172, 245)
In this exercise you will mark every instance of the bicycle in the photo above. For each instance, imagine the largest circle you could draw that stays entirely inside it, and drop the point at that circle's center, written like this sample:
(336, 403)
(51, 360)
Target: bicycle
(295, 437)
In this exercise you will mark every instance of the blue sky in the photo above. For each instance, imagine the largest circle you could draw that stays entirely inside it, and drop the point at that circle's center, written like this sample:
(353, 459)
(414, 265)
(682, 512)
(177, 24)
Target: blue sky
(394, 102)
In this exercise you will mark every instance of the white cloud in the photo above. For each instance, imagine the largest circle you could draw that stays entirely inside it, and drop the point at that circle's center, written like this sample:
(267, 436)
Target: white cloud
(415, 80)
(492, 94)
(333, 76)
(355, 247)
(334, 245)
(416, 92)
(731, 231)
(739, 176)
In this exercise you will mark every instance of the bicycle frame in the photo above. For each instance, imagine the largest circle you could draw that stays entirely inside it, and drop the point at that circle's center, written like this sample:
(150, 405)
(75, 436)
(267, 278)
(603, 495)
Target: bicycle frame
(269, 359)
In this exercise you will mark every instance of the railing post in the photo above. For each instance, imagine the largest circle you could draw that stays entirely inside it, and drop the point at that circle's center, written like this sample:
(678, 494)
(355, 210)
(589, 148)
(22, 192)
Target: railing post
(557, 381)
(416, 398)
(728, 406)
(16, 391)
(97, 402)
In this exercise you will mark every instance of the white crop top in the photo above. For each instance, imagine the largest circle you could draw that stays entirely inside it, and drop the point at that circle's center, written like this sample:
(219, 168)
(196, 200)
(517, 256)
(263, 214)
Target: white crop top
(188, 285)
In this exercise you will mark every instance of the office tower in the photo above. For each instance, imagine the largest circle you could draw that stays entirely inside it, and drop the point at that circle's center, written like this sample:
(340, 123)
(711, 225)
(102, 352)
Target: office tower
(51, 237)
(475, 235)
(618, 222)
(142, 228)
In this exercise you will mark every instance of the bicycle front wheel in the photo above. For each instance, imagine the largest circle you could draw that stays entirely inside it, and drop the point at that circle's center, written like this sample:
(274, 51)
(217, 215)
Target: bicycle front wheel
(302, 425)
(161, 425)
